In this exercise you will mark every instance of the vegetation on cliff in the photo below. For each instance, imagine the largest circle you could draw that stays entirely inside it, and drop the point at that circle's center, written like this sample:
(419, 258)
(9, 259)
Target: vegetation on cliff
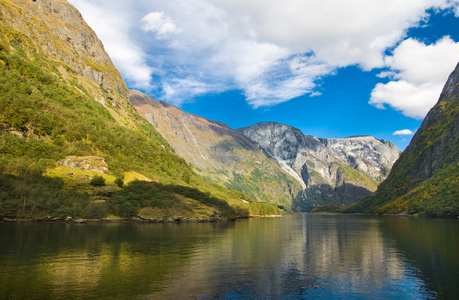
(425, 179)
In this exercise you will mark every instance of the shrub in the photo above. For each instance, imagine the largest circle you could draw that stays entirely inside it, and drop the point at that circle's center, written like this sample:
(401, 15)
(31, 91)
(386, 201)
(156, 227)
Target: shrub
(96, 211)
(119, 181)
(97, 181)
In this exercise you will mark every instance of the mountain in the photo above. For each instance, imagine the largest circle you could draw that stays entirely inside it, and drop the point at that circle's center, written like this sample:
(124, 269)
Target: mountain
(57, 31)
(219, 153)
(331, 171)
(425, 179)
(65, 118)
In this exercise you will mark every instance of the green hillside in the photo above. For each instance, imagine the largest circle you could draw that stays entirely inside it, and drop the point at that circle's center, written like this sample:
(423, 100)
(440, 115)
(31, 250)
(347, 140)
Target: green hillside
(48, 112)
(425, 179)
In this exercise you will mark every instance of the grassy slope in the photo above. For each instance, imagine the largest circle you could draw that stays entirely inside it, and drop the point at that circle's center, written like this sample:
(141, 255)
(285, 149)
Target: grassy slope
(45, 117)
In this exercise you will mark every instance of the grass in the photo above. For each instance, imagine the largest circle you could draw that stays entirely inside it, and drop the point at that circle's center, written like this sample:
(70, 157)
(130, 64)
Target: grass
(75, 175)
(130, 176)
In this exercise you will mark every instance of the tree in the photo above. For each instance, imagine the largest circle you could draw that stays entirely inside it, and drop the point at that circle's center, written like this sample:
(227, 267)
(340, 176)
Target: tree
(119, 181)
(97, 181)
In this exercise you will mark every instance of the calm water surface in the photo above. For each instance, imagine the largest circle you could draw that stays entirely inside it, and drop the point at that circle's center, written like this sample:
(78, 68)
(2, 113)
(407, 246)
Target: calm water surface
(294, 257)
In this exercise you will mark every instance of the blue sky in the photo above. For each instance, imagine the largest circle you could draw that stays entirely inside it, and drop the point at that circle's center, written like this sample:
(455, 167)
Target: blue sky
(331, 68)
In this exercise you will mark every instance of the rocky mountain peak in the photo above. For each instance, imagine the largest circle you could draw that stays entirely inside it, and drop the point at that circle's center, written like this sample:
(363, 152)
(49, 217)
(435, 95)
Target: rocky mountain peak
(340, 170)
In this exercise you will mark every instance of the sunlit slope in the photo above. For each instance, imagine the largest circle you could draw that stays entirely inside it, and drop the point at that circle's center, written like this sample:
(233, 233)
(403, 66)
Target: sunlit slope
(50, 109)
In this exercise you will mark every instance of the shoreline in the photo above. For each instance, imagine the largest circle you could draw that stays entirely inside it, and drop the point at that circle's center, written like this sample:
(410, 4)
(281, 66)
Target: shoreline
(399, 215)
(138, 219)
(114, 220)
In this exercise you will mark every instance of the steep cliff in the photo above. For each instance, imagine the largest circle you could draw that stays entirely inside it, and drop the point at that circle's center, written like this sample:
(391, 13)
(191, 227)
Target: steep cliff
(425, 179)
(57, 31)
(331, 171)
(219, 153)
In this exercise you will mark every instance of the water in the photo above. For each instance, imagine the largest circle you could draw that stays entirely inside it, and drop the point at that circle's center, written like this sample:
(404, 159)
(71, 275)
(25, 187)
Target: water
(302, 256)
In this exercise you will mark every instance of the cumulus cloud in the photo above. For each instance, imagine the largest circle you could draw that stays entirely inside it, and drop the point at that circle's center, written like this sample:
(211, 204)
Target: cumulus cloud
(418, 73)
(271, 50)
(159, 23)
(184, 87)
(403, 132)
(125, 53)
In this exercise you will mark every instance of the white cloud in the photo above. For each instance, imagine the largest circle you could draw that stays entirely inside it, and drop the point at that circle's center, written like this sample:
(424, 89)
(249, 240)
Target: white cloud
(159, 23)
(340, 33)
(287, 80)
(403, 132)
(181, 88)
(419, 73)
(125, 53)
(271, 50)
(412, 100)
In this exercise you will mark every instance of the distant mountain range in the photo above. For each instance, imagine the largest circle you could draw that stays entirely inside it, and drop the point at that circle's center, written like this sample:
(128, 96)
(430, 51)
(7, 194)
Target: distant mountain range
(219, 153)
(265, 160)
(331, 171)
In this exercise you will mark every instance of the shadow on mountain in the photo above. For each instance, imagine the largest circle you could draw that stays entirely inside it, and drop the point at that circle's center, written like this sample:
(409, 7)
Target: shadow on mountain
(322, 194)
(426, 244)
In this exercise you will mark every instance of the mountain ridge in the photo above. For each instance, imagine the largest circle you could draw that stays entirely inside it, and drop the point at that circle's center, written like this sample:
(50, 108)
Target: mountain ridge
(218, 152)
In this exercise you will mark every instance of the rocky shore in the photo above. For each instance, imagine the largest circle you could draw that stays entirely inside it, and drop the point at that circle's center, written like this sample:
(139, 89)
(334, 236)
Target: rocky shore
(137, 219)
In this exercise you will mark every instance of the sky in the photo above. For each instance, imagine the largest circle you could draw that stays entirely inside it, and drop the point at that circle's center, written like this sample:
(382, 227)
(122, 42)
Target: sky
(330, 68)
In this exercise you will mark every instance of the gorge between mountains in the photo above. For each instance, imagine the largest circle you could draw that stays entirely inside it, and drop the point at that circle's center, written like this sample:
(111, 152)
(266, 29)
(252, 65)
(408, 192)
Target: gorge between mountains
(63, 100)
(329, 171)
(107, 193)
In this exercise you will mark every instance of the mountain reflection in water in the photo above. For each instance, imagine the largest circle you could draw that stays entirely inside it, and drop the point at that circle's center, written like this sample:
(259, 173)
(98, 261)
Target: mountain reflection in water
(298, 256)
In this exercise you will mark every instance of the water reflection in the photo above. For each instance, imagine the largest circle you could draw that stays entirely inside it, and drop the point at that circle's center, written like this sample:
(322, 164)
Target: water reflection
(310, 255)
(94, 260)
(431, 250)
(316, 256)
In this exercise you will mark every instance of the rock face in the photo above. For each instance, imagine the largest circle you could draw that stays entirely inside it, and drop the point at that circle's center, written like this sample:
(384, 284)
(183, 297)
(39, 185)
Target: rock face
(91, 163)
(58, 31)
(219, 153)
(425, 180)
(339, 171)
